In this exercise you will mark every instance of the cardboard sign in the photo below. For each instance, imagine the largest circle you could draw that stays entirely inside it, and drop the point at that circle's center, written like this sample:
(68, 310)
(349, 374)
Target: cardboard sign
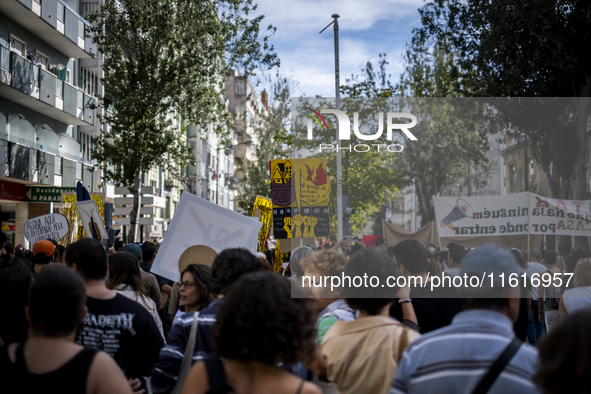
(300, 192)
(200, 222)
(91, 219)
(53, 226)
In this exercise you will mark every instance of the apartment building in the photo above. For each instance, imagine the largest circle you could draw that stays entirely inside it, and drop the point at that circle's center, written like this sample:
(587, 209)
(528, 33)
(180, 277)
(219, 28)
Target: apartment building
(220, 165)
(49, 80)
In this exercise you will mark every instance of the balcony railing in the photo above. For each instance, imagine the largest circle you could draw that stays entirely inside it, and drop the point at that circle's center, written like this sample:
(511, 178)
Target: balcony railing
(43, 91)
(55, 22)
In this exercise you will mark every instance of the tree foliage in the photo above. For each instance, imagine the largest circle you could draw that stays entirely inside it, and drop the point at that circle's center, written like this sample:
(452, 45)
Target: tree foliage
(162, 60)
(526, 49)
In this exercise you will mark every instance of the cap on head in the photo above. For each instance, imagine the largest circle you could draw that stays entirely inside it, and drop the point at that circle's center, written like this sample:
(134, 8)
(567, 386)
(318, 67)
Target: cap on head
(133, 249)
(490, 259)
(45, 247)
(197, 254)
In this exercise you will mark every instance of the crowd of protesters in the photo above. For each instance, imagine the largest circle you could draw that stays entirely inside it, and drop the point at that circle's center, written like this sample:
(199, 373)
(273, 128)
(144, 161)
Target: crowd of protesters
(85, 320)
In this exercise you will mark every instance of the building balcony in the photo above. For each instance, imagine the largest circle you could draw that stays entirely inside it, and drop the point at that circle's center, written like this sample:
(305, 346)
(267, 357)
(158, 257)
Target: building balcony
(55, 22)
(35, 88)
(244, 151)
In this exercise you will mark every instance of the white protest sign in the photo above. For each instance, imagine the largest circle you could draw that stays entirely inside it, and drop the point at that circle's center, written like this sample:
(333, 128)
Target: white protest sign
(52, 226)
(89, 214)
(477, 216)
(200, 222)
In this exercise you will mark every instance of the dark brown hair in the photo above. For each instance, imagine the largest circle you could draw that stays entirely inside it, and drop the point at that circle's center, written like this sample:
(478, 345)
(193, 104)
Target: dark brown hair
(260, 306)
(124, 269)
(565, 365)
(204, 282)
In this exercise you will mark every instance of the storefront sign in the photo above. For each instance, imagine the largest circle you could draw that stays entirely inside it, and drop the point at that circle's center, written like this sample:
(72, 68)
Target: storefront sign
(12, 191)
(46, 194)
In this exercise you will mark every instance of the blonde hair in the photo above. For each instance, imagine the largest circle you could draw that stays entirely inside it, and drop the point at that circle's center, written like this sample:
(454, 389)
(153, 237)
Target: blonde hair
(327, 262)
(583, 273)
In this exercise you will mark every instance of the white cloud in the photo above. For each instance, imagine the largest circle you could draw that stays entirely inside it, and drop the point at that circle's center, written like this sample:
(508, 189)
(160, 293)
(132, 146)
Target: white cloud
(366, 28)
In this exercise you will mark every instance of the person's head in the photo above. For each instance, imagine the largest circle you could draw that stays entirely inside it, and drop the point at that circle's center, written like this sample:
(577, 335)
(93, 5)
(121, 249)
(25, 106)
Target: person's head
(149, 251)
(519, 257)
(88, 258)
(56, 302)
(381, 244)
(575, 257)
(118, 245)
(297, 255)
(487, 260)
(230, 265)
(61, 249)
(550, 259)
(535, 255)
(371, 300)
(3, 240)
(265, 266)
(134, 250)
(19, 251)
(124, 270)
(43, 252)
(196, 288)
(455, 255)
(411, 256)
(15, 278)
(318, 265)
(9, 248)
(432, 252)
(261, 307)
(564, 361)
(582, 275)
(346, 247)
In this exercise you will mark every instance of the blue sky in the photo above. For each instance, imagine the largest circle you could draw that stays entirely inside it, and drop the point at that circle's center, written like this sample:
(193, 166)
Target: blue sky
(366, 29)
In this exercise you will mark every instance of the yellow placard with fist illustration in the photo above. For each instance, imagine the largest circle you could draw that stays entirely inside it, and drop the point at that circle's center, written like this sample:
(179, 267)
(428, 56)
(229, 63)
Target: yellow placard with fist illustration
(300, 191)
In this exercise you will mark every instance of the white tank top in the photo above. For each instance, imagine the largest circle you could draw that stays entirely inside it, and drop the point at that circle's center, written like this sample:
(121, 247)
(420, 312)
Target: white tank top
(577, 298)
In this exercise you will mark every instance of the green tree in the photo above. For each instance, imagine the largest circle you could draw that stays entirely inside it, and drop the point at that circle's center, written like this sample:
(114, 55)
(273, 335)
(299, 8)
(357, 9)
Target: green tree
(162, 60)
(450, 141)
(272, 133)
(527, 49)
(453, 141)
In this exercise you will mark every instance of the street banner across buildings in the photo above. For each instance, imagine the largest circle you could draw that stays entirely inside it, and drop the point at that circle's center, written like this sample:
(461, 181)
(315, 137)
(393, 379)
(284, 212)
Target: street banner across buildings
(200, 222)
(511, 214)
(300, 193)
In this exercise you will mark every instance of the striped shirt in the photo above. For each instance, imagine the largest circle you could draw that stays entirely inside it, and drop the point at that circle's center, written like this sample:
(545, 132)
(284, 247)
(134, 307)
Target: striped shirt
(166, 369)
(454, 359)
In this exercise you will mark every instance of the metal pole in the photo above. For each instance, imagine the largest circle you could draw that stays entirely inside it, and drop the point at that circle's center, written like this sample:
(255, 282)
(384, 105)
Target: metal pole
(217, 175)
(338, 105)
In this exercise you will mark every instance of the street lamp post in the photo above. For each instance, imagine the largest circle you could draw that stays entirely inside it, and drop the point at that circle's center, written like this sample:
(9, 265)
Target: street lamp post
(338, 107)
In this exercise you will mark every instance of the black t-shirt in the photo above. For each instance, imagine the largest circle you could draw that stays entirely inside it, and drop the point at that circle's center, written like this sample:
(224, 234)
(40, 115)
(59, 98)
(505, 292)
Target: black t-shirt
(124, 329)
(434, 312)
(14, 329)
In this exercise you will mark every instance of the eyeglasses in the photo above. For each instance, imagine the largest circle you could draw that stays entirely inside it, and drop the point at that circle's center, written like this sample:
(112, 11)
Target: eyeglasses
(187, 284)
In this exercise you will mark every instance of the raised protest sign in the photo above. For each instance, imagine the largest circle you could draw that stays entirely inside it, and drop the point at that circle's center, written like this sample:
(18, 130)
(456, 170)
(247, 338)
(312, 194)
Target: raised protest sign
(511, 214)
(91, 219)
(200, 222)
(53, 226)
(300, 192)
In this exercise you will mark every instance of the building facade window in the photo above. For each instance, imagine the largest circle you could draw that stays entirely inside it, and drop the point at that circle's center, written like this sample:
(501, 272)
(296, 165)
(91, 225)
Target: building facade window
(42, 59)
(18, 46)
